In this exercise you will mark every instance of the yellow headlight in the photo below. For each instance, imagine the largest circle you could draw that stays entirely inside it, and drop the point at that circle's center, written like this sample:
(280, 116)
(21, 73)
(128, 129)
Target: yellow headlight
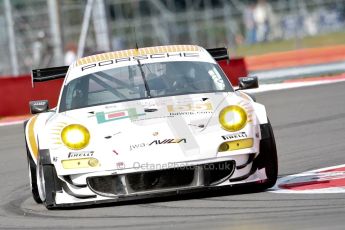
(233, 118)
(75, 136)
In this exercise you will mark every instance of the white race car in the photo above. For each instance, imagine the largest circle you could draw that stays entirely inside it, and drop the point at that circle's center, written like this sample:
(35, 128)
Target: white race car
(146, 122)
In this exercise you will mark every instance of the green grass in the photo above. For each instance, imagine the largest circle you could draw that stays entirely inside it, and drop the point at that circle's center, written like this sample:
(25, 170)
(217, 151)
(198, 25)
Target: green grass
(293, 44)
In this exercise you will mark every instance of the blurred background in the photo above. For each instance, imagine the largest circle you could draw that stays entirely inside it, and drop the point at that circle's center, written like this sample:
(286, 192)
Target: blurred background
(43, 33)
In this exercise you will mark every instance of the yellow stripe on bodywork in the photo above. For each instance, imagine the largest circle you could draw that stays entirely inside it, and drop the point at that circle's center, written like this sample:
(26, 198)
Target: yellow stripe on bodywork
(31, 135)
(245, 96)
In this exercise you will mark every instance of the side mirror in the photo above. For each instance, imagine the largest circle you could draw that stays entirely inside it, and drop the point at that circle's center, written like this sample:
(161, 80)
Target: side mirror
(248, 83)
(39, 106)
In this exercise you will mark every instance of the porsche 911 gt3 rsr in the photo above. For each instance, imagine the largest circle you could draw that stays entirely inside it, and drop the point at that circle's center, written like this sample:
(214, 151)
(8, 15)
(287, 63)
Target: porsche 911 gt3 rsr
(146, 122)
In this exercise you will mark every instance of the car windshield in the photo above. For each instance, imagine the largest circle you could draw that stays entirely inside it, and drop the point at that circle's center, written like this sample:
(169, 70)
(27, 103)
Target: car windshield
(143, 81)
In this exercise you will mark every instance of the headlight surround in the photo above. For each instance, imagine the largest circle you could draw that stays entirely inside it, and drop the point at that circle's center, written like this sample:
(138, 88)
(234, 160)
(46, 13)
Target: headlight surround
(75, 136)
(233, 118)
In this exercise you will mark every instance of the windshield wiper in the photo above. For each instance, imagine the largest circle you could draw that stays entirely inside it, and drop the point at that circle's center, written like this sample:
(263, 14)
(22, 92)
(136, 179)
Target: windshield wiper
(144, 79)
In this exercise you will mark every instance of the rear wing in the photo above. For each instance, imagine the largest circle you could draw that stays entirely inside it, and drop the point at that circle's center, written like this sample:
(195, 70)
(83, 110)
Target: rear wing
(41, 75)
(219, 53)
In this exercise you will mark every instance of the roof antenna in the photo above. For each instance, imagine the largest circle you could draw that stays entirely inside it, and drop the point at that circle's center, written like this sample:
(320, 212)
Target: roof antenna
(134, 30)
(136, 40)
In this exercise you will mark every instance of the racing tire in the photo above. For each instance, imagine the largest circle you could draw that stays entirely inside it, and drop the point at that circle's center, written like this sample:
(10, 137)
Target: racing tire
(268, 158)
(33, 180)
(47, 176)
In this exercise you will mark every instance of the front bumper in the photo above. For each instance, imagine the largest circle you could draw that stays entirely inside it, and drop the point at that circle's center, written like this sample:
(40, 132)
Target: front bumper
(115, 186)
(111, 187)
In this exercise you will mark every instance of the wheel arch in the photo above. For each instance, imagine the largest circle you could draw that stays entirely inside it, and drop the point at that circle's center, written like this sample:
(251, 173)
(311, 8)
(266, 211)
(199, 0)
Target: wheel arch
(34, 131)
(31, 140)
(261, 113)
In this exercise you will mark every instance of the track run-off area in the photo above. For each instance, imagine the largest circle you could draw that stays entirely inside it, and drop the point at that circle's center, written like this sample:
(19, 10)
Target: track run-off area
(309, 125)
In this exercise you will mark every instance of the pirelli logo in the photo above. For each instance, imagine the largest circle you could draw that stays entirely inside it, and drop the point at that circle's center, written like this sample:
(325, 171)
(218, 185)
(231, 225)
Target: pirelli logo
(235, 136)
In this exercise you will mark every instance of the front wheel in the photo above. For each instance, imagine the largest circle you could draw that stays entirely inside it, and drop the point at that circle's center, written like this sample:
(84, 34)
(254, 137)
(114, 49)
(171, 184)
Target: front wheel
(47, 178)
(33, 180)
(268, 158)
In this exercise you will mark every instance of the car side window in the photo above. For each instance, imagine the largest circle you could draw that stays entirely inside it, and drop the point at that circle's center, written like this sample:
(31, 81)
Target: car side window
(70, 94)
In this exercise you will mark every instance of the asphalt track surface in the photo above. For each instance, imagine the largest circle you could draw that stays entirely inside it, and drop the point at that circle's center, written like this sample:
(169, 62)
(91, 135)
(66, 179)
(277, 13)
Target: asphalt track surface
(309, 125)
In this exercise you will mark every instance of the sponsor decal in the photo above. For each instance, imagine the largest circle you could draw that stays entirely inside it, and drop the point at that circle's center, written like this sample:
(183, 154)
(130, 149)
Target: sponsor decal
(80, 154)
(190, 109)
(141, 57)
(39, 103)
(158, 142)
(150, 118)
(168, 141)
(164, 102)
(130, 113)
(325, 180)
(199, 126)
(136, 146)
(190, 113)
(235, 136)
(120, 165)
(150, 110)
(110, 136)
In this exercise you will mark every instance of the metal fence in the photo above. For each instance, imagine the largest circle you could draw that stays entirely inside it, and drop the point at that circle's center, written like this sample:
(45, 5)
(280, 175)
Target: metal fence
(44, 30)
